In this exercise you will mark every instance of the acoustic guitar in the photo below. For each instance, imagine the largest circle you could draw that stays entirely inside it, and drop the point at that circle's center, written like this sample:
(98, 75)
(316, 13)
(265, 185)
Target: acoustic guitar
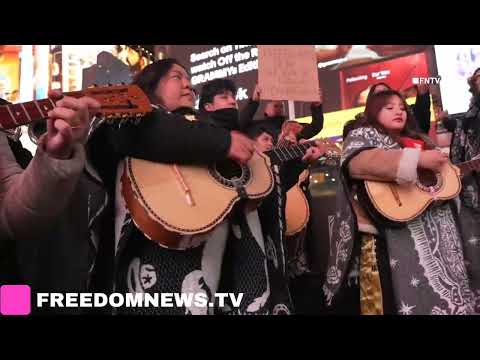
(297, 209)
(169, 201)
(124, 102)
(401, 203)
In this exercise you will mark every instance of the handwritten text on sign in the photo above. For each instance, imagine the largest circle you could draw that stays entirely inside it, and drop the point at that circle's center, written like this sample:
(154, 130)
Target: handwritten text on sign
(287, 72)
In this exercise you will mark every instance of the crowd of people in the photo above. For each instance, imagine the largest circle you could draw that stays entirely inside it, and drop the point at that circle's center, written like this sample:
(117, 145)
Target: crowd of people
(65, 225)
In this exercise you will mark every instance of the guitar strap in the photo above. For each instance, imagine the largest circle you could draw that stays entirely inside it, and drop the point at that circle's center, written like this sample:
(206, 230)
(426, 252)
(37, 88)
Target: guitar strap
(242, 193)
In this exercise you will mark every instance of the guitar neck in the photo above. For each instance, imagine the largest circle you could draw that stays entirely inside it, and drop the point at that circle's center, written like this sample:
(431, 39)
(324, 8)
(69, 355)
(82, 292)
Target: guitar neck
(281, 154)
(468, 166)
(14, 115)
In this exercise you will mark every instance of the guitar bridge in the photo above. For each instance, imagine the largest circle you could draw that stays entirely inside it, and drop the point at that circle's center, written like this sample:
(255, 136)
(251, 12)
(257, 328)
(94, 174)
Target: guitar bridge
(394, 191)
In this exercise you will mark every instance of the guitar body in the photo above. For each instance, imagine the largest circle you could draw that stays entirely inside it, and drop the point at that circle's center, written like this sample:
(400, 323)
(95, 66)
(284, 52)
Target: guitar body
(168, 201)
(156, 198)
(402, 203)
(297, 211)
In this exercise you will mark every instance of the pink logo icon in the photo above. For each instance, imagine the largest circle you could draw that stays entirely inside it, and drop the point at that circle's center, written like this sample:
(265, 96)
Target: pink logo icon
(15, 300)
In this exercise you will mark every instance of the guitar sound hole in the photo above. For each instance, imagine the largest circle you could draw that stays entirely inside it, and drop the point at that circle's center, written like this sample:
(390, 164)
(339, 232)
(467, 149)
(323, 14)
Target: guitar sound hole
(227, 171)
(427, 179)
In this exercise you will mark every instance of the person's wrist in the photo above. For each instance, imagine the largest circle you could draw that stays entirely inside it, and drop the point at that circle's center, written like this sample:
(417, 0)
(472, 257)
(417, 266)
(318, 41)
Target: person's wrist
(63, 155)
(59, 155)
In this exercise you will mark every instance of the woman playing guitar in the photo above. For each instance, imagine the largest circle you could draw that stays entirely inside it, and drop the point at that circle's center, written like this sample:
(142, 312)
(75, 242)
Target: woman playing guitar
(417, 267)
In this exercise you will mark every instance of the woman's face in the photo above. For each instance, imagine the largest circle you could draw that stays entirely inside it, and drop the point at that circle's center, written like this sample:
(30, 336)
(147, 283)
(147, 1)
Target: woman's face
(174, 90)
(393, 115)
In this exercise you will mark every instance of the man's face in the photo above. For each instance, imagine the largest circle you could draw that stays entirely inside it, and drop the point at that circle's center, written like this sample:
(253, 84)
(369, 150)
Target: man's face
(264, 142)
(274, 109)
(225, 100)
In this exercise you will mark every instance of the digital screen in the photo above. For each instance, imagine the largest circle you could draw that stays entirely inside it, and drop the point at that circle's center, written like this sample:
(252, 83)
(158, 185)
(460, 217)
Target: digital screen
(346, 72)
(209, 62)
(456, 63)
(398, 73)
(336, 64)
(10, 72)
(336, 57)
(68, 62)
(36, 69)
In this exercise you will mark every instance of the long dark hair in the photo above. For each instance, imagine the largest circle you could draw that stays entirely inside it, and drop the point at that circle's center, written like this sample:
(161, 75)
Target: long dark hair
(471, 83)
(376, 104)
(355, 123)
(372, 89)
(148, 78)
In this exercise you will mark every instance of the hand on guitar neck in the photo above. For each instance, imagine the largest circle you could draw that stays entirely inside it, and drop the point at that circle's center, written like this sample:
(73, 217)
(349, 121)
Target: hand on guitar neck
(315, 152)
(288, 136)
(68, 122)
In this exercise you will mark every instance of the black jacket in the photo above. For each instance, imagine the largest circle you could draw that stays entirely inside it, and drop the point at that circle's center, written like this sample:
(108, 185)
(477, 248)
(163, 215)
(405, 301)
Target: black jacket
(421, 111)
(160, 136)
(169, 138)
(274, 124)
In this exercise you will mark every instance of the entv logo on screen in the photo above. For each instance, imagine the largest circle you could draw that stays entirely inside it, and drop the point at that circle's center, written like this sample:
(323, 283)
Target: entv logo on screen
(426, 80)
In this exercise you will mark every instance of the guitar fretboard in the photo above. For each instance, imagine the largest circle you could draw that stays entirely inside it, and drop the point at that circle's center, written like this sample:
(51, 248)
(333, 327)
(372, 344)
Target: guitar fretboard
(281, 154)
(14, 115)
